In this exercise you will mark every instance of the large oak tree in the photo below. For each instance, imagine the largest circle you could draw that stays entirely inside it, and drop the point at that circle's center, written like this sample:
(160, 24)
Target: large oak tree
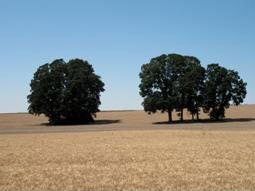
(65, 92)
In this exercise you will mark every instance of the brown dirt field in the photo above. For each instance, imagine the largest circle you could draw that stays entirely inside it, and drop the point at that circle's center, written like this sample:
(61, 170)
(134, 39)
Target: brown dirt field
(237, 117)
(127, 151)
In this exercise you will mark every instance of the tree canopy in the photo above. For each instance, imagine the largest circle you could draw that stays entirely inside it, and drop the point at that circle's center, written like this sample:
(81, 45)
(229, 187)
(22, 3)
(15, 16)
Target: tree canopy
(222, 87)
(158, 83)
(176, 82)
(65, 92)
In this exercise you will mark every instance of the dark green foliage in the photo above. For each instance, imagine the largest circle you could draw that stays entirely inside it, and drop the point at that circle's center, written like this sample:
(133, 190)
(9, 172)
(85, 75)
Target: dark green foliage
(222, 87)
(158, 84)
(179, 82)
(65, 92)
(161, 84)
(194, 85)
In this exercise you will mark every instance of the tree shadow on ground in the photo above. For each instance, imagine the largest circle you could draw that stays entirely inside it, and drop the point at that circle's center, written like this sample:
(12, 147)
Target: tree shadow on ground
(104, 122)
(227, 120)
(96, 122)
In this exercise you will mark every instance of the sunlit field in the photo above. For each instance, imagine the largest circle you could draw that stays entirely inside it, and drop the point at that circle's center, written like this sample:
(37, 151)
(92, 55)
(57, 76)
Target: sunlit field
(128, 150)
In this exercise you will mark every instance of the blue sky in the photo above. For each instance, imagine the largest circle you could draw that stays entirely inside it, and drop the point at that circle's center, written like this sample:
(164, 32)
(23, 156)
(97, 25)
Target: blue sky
(117, 37)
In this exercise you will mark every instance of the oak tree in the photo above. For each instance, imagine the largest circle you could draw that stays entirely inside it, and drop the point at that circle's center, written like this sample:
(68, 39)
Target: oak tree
(65, 92)
(222, 87)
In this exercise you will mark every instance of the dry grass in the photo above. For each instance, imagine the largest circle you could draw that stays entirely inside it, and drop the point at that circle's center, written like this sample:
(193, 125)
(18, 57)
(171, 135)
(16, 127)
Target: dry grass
(151, 159)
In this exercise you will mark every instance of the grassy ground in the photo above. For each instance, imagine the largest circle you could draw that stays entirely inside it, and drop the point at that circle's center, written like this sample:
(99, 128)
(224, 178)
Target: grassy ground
(158, 159)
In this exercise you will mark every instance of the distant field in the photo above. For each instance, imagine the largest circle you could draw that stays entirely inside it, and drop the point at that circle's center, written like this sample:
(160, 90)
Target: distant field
(128, 150)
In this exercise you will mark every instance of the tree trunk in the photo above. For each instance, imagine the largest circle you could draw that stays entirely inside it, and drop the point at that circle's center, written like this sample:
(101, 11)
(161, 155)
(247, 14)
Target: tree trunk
(181, 114)
(89, 118)
(198, 115)
(170, 116)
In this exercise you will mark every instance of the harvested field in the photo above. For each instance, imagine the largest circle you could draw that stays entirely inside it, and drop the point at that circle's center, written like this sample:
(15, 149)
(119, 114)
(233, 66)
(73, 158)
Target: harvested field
(128, 150)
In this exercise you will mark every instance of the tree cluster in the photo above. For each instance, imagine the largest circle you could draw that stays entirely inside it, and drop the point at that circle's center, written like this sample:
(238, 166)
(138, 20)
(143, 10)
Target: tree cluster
(65, 92)
(70, 92)
(176, 82)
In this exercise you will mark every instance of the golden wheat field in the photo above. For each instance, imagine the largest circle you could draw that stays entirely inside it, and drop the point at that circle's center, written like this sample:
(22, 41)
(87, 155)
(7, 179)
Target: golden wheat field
(128, 150)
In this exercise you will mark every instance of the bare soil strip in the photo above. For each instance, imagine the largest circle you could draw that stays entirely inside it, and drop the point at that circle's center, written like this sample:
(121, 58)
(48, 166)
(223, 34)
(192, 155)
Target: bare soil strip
(242, 118)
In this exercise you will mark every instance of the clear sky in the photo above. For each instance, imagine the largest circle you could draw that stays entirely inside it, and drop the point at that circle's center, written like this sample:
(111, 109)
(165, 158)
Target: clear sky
(117, 37)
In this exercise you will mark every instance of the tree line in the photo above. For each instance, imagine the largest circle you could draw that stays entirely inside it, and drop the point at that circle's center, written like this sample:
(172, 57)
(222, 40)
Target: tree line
(69, 92)
(176, 82)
